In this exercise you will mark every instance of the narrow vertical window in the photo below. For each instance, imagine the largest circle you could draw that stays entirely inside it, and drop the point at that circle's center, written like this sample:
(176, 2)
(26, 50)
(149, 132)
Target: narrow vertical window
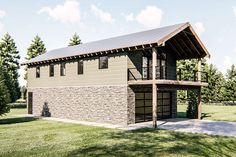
(103, 62)
(37, 72)
(51, 70)
(80, 67)
(63, 69)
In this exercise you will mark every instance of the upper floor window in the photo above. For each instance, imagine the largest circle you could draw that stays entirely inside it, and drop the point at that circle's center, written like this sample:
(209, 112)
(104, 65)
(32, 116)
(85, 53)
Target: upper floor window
(80, 67)
(51, 70)
(63, 69)
(37, 72)
(103, 62)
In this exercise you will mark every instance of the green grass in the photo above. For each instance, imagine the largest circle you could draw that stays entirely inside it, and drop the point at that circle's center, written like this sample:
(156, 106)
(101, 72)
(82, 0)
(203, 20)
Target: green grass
(49, 138)
(213, 112)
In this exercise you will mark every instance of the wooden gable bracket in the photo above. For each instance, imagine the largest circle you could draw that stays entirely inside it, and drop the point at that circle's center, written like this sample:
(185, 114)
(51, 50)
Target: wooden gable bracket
(182, 42)
(191, 43)
(173, 48)
(178, 47)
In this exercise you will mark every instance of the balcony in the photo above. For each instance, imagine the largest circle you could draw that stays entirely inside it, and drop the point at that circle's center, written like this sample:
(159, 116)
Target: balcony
(167, 73)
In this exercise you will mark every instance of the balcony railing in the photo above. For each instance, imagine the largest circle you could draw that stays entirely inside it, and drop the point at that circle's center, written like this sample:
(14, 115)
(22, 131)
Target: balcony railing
(145, 73)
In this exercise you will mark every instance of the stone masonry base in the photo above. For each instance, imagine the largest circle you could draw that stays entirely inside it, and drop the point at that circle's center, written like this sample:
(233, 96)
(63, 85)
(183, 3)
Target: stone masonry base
(102, 104)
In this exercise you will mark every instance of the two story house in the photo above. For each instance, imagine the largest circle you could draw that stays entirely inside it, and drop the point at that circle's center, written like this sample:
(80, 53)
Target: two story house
(121, 80)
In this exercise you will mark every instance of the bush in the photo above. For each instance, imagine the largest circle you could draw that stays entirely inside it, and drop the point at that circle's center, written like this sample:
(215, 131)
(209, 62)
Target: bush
(17, 105)
(192, 109)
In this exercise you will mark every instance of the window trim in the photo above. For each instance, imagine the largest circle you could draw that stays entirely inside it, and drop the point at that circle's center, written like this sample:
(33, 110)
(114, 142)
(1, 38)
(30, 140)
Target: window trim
(51, 65)
(38, 74)
(78, 64)
(99, 63)
(63, 69)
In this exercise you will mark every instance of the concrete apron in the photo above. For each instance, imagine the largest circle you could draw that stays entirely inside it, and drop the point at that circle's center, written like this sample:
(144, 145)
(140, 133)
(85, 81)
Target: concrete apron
(220, 128)
(193, 126)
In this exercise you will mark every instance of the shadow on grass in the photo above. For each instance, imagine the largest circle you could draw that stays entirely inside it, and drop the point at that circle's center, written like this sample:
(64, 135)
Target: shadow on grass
(16, 120)
(149, 142)
(205, 115)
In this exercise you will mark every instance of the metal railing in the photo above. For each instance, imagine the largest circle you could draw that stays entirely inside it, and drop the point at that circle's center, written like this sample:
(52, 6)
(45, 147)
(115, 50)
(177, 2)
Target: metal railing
(180, 74)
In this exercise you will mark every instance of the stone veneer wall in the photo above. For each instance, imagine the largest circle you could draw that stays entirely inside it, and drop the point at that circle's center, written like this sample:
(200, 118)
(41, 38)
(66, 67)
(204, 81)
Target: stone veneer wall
(104, 104)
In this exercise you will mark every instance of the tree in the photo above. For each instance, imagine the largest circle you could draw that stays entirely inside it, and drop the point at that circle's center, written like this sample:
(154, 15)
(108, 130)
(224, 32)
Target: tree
(4, 95)
(9, 60)
(185, 68)
(75, 40)
(214, 91)
(230, 85)
(35, 49)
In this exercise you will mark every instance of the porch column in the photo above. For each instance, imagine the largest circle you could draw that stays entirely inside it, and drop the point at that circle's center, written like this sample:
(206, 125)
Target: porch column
(154, 88)
(199, 104)
(199, 69)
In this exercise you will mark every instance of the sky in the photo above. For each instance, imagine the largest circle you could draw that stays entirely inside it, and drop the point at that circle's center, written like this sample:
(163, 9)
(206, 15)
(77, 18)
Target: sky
(55, 21)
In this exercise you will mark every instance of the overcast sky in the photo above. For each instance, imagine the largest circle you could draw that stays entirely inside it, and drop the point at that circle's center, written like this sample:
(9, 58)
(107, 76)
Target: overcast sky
(56, 21)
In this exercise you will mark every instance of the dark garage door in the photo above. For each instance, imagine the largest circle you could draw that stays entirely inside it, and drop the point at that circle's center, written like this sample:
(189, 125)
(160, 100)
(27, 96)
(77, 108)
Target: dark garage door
(143, 106)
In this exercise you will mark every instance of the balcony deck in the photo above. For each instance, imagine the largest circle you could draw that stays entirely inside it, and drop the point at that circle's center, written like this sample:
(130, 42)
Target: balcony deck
(168, 82)
(162, 80)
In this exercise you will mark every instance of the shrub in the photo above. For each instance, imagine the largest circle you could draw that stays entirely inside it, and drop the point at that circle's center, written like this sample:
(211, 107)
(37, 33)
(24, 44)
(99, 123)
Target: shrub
(192, 109)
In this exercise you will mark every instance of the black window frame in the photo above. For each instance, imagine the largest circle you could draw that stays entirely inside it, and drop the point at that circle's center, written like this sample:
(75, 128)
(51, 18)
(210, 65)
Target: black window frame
(63, 69)
(51, 70)
(80, 70)
(37, 72)
(100, 65)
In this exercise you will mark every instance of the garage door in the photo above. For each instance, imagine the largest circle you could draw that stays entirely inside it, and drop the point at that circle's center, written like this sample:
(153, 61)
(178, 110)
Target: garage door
(143, 106)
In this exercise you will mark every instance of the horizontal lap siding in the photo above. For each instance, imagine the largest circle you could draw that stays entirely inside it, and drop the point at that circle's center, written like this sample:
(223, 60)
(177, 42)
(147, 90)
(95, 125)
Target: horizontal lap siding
(116, 73)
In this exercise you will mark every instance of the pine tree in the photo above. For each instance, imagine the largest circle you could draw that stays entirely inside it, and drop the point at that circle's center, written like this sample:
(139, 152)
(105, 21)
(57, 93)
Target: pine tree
(230, 85)
(214, 91)
(9, 60)
(75, 40)
(35, 49)
(186, 69)
(4, 94)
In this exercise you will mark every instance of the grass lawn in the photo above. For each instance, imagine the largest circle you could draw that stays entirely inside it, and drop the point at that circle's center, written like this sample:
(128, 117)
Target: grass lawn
(34, 137)
(213, 112)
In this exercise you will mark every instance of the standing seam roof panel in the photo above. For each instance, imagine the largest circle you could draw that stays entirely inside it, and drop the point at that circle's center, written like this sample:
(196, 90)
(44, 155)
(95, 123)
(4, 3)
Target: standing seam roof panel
(135, 39)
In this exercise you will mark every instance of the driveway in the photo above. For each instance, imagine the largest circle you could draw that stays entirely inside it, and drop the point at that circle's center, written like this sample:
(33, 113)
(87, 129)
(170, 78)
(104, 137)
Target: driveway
(192, 125)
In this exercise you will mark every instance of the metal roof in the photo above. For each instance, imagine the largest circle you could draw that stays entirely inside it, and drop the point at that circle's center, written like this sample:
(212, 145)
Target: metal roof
(159, 36)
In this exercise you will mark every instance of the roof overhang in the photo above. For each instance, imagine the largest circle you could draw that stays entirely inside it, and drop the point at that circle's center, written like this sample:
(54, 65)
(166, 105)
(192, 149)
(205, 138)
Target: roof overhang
(181, 39)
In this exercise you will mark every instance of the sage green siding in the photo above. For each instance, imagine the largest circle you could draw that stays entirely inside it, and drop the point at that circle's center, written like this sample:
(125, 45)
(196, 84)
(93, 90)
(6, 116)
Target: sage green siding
(135, 61)
(116, 74)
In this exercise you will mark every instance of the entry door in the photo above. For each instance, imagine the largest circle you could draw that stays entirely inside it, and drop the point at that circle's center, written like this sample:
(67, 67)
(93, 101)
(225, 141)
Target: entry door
(30, 102)
(143, 106)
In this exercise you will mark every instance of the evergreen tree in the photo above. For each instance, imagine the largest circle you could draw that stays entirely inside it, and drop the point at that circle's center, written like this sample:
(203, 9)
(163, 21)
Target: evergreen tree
(230, 85)
(9, 60)
(186, 69)
(214, 91)
(35, 49)
(4, 94)
(75, 40)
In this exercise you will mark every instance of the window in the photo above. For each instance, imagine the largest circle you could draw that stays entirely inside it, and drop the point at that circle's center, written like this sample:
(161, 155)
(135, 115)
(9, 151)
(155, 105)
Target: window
(103, 62)
(63, 69)
(80, 67)
(37, 72)
(51, 70)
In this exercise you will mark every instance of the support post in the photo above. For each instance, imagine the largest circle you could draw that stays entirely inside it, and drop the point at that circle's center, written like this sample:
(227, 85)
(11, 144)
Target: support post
(199, 69)
(154, 88)
(199, 104)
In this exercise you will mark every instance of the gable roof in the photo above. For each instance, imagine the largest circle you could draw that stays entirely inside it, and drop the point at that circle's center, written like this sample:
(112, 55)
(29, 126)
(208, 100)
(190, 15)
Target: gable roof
(155, 36)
